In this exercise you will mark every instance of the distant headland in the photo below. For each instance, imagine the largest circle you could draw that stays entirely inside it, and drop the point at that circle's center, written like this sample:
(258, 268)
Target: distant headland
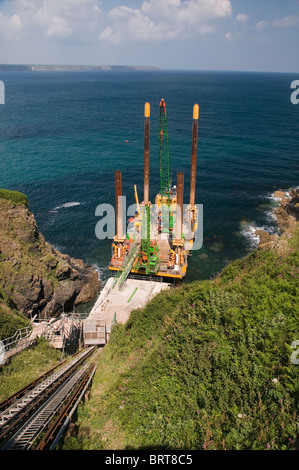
(72, 68)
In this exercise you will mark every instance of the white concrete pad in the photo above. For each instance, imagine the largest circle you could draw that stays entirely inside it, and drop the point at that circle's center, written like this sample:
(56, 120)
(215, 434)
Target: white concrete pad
(120, 302)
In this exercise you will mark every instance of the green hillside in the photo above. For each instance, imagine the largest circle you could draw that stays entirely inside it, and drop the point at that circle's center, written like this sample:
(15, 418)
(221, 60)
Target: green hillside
(204, 366)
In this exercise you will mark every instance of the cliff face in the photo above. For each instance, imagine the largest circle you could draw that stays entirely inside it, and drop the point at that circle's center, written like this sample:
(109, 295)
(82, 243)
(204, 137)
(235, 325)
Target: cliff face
(37, 278)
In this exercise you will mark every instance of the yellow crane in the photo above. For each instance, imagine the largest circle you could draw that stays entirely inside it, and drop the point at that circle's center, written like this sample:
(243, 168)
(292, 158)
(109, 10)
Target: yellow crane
(136, 197)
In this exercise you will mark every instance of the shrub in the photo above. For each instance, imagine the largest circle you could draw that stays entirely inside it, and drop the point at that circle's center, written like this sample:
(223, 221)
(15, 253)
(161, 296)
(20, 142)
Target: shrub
(14, 196)
(207, 364)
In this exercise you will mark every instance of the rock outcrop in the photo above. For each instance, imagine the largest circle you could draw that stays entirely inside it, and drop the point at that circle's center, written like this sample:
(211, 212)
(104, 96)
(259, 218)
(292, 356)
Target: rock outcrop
(288, 212)
(36, 277)
(287, 215)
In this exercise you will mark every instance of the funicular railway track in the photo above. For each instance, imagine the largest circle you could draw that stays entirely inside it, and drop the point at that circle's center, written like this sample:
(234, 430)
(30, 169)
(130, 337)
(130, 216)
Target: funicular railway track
(33, 417)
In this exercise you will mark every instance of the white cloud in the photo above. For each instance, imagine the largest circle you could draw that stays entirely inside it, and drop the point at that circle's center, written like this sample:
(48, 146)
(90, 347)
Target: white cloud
(189, 11)
(10, 27)
(242, 18)
(261, 25)
(128, 21)
(52, 18)
(165, 19)
(287, 21)
(228, 36)
(83, 20)
(58, 28)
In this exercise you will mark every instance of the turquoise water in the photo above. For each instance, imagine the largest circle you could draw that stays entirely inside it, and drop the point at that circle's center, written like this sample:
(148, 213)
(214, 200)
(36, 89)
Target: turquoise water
(62, 136)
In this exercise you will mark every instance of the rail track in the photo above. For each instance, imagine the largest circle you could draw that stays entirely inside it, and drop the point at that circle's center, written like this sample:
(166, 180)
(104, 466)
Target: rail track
(34, 417)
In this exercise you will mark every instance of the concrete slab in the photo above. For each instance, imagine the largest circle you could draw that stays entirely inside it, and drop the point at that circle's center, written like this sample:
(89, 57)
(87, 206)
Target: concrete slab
(118, 303)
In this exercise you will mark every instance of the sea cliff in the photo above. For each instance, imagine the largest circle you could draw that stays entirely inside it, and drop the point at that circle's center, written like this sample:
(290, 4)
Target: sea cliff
(36, 278)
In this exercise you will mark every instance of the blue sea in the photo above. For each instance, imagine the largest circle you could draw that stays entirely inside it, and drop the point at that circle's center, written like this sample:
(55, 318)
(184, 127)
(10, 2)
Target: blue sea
(63, 134)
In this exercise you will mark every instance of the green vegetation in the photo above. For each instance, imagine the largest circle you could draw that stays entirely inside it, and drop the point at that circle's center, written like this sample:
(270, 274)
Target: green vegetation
(27, 366)
(11, 319)
(14, 196)
(204, 366)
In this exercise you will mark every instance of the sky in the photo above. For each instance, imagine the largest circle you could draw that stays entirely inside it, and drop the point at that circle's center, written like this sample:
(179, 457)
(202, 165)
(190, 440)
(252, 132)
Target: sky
(251, 35)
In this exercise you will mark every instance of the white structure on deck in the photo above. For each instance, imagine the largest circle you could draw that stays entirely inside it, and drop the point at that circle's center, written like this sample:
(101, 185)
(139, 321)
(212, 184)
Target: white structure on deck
(115, 305)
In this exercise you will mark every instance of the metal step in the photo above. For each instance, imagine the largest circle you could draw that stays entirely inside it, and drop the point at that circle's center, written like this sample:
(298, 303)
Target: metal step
(25, 436)
(21, 403)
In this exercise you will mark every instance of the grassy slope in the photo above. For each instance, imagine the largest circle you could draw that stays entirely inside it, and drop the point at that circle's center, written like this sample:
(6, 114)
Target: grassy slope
(205, 366)
(27, 366)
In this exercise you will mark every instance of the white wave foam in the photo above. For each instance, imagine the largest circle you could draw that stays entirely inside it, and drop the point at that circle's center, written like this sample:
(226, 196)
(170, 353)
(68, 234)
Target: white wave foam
(278, 199)
(273, 199)
(103, 273)
(248, 230)
(66, 205)
(271, 216)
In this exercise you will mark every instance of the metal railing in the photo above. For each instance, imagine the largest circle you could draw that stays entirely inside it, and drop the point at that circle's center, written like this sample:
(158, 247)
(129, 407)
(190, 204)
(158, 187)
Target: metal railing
(19, 334)
(23, 338)
(14, 344)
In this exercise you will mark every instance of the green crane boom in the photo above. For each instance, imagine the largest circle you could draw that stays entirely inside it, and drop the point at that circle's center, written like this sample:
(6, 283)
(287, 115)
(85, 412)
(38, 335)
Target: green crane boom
(164, 153)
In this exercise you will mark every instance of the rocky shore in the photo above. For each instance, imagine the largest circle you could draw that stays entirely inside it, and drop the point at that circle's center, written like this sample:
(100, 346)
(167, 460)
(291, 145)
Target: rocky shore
(287, 215)
(35, 277)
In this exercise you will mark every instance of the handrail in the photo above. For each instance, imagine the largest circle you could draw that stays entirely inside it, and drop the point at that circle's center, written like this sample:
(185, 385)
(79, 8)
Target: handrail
(14, 341)
(18, 335)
